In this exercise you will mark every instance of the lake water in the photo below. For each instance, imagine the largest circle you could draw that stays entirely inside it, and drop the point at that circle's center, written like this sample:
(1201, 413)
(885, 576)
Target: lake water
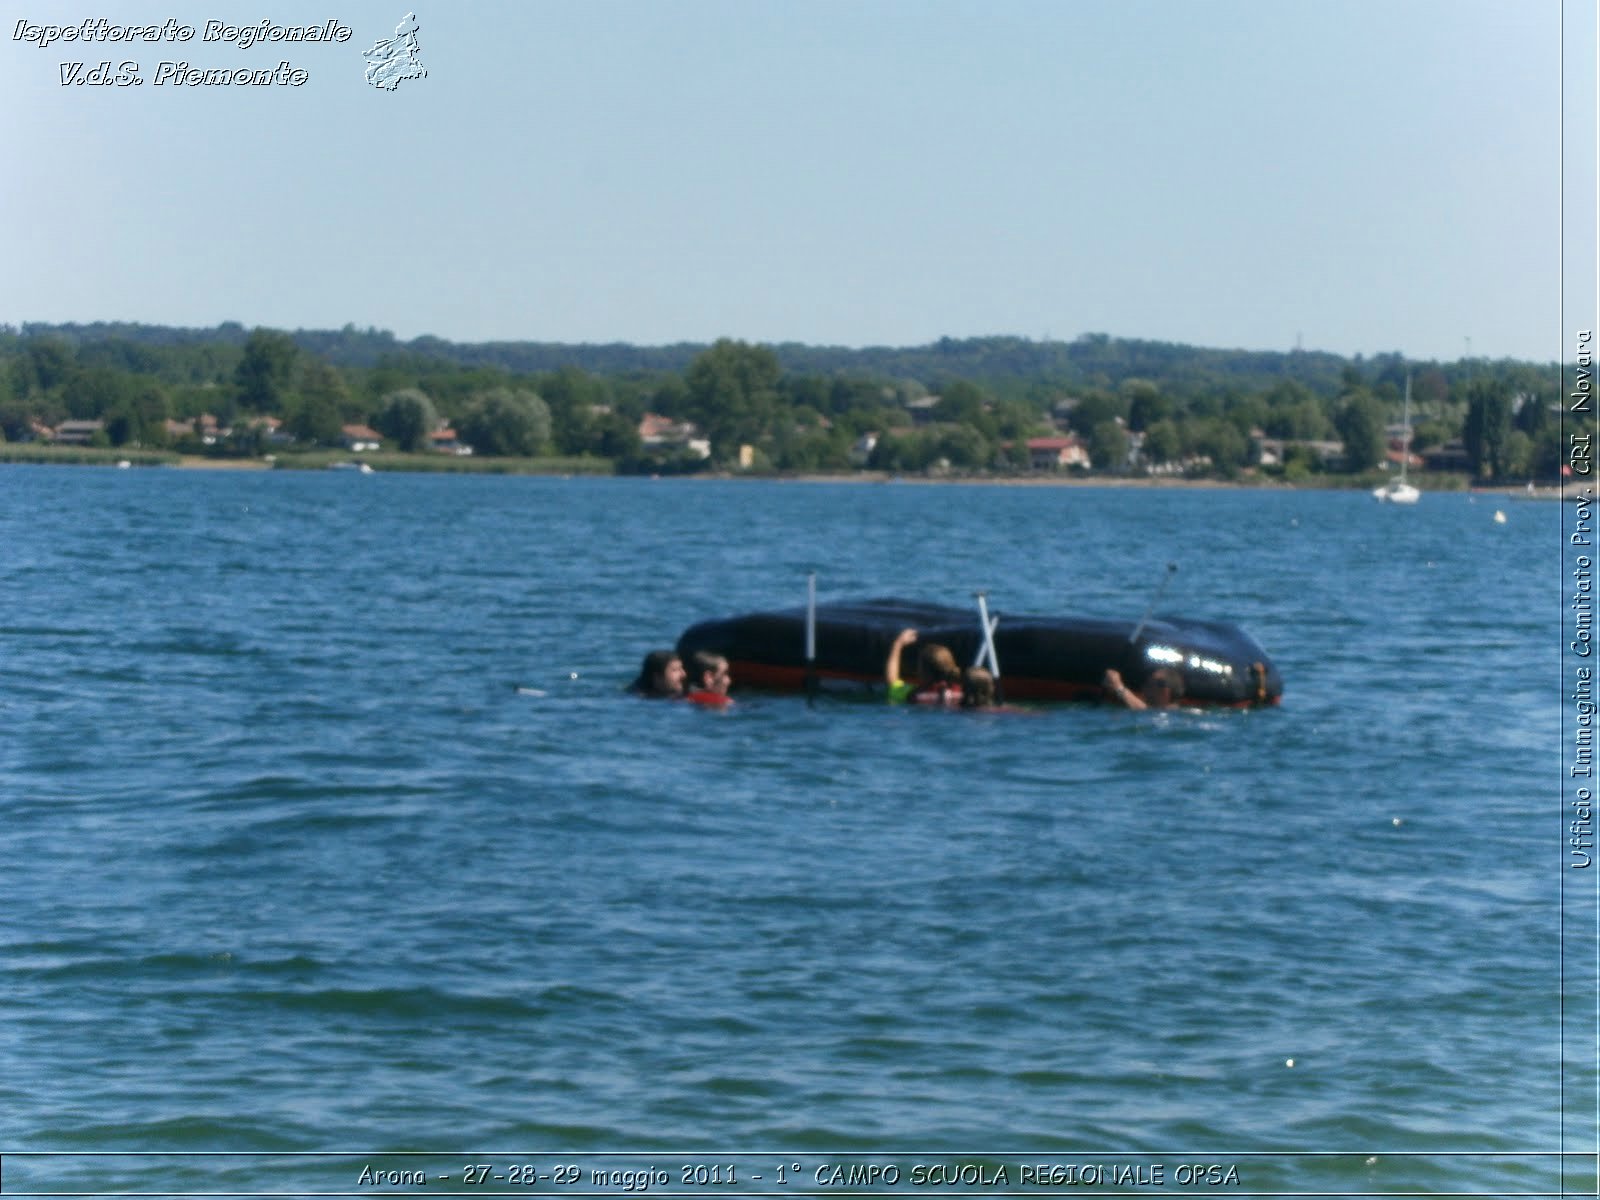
(326, 830)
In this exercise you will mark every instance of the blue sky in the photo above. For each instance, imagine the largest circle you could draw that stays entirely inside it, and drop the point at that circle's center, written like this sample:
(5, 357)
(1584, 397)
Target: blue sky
(1359, 176)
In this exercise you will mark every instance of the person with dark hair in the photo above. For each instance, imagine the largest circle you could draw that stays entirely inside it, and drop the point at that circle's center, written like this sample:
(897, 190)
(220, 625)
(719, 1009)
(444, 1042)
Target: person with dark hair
(938, 677)
(977, 688)
(709, 680)
(661, 676)
(1162, 689)
(980, 692)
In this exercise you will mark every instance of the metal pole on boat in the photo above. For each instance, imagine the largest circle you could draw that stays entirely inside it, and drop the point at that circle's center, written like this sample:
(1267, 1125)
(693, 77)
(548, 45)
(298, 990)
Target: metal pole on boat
(987, 626)
(984, 652)
(811, 637)
(1172, 569)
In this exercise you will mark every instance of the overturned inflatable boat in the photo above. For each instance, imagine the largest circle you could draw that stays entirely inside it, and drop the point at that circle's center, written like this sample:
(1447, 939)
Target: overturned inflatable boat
(1040, 658)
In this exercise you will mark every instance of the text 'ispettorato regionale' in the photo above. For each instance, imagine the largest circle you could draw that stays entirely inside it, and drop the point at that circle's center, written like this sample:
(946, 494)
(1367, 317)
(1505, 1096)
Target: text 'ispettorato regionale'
(97, 32)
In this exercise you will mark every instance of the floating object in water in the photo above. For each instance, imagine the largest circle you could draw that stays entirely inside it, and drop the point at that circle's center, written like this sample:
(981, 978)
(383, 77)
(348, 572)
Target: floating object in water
(1045, 658)
(1499, 517)
(1398, 491)
(528, 691)
(1288, 1062)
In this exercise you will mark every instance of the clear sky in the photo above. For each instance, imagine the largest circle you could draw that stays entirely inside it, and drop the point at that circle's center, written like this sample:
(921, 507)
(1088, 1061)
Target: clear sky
(1358, 176)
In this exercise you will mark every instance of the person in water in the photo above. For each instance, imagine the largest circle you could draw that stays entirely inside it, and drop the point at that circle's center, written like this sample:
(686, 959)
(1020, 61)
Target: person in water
(938, 677)
(977, 688)
(709, 679)
(1163, 689)
(661, 676)
(980, 692)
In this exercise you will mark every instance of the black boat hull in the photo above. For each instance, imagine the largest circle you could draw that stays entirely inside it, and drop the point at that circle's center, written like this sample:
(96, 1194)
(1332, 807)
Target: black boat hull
(1041, 658)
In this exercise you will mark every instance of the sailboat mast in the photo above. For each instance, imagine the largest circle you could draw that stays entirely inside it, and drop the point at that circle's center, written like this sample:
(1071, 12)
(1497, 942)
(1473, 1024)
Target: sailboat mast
(1405, 431)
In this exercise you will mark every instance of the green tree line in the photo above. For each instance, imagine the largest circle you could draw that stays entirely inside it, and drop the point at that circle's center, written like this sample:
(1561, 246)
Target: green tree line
(970, 405)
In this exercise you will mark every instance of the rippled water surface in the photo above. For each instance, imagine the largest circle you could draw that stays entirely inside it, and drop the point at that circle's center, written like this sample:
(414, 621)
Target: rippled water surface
(327, 827)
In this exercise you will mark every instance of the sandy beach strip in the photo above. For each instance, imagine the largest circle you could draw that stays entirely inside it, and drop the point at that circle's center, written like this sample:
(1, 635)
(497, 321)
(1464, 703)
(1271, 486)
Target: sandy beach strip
(201, 463)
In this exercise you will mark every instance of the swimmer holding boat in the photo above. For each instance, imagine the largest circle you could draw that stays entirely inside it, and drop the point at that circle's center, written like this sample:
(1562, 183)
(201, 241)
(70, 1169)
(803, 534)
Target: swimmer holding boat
(938, 677)
(1163, 689)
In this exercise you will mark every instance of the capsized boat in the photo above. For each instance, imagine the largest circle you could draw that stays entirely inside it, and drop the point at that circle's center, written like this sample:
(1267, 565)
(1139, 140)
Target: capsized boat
(1040, 657)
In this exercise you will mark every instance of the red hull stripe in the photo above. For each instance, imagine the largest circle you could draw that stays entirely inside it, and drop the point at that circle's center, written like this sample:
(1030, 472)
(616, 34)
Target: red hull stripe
(1017, 687)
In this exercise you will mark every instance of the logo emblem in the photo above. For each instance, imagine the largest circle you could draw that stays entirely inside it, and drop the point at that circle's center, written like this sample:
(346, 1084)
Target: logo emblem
(392, 60)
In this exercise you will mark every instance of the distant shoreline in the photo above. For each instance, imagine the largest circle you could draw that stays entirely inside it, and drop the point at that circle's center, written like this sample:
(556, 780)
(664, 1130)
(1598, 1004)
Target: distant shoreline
(195, 462)
(1509, 491)
(1069, 481)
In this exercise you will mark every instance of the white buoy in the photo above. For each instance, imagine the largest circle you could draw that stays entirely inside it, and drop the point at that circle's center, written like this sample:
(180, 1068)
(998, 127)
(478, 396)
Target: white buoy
(1499, 517)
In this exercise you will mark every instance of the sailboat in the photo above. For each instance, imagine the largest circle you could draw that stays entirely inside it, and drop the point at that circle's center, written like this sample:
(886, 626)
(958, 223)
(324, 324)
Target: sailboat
(1398, 491)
